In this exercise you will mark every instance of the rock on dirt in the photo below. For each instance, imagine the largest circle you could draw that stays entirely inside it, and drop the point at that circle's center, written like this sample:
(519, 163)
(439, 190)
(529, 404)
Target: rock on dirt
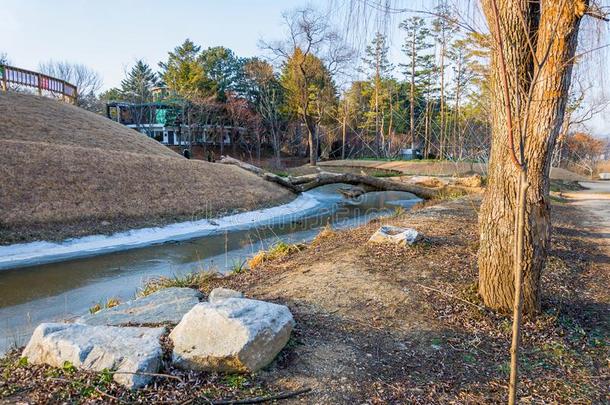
(395, 235)
(220, 293)
(166, 306)
(126, 351)
(232, 335)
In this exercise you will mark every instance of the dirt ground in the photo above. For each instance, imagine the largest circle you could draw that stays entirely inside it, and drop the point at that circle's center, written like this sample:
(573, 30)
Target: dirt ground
(381, 324)
(404, 325)
(436, 168)
(67, 172)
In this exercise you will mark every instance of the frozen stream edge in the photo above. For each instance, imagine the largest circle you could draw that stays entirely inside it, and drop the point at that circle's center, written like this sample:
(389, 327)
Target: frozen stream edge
(40, 252)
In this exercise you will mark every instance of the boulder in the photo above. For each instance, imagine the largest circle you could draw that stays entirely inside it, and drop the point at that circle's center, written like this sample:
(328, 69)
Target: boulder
(395, 235)
(166, 306)
(220, 293)
(127, 351)
(231, 335)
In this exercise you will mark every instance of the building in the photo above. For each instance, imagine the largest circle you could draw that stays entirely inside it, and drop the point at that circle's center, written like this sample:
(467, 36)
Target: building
(165, 122)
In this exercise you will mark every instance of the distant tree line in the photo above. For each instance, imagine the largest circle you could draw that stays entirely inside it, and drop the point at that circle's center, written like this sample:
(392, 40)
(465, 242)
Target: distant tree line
(313, 97)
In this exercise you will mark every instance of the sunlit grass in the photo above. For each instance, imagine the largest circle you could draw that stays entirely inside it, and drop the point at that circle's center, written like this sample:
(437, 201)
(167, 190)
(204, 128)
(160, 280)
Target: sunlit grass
(278, 250)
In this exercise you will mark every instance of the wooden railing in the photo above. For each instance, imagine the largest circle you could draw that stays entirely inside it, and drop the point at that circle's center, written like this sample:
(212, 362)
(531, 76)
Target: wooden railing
(43, 83)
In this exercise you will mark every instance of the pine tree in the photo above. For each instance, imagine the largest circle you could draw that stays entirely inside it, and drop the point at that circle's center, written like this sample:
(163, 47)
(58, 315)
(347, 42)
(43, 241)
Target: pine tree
(443, 28)
(137, 86)
(379, 68)
(183, 73)
(310, 93)
(419, 66)
(223, 70)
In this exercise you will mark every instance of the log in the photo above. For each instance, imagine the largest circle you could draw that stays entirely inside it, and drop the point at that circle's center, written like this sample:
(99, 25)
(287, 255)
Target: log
(228, 160)
(375, 183)
(282, 181)
(301, 184)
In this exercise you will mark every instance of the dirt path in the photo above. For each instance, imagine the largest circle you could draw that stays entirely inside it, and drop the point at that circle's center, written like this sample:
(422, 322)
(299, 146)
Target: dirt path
(595, 201)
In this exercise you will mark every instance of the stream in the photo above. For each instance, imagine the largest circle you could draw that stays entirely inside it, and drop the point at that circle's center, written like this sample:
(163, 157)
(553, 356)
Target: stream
(65, 289)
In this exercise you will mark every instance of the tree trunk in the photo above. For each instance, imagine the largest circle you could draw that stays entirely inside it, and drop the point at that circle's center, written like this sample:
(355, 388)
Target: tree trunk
(312, 140)
(412, 94)
(553, 31)
(442, 106)
(276, 145)
(377, 134)
(458, 146)
(344, 133)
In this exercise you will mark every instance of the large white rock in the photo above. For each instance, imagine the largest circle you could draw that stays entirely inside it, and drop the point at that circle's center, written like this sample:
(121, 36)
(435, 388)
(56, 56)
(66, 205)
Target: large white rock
(231, 335)
(128, 351)
(220, 293)
(395, 235)
(166, 306)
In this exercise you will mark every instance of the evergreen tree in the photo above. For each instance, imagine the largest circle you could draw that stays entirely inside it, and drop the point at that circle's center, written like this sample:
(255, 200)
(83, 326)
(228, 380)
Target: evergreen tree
(310, 93)
(137, 86)
(419, 65)
(443, 28)
(379, 69)
(183, 73)
(223, 70)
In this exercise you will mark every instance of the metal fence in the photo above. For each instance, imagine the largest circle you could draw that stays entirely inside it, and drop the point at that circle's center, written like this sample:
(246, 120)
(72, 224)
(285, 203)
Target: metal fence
(10, 75)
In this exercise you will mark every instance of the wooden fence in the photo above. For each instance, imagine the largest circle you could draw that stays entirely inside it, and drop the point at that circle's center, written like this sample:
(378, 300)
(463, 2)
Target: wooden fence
(21, 77)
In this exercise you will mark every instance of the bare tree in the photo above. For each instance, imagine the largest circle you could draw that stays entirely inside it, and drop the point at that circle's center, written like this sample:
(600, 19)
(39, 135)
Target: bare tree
(266, 94)
(310, 34)
(87, 81)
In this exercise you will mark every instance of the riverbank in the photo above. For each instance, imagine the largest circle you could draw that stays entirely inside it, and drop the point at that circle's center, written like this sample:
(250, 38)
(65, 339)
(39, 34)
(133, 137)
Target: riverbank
(68, 173)
(37, 253)
(434, 168)
(385, 324)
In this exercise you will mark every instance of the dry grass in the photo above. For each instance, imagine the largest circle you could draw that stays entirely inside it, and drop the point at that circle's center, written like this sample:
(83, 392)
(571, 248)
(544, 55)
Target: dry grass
(197, 280)
(434, 168)
(40, 119)
(277, 251)
(67, 172)
(603, 167)
(415, 167)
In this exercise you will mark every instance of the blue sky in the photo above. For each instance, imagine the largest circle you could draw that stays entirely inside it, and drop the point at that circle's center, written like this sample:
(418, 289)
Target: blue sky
(110, 35)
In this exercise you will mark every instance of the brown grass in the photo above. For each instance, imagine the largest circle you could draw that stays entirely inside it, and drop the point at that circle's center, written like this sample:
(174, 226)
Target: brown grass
(435, 168)
(603, 167)
(67, 172)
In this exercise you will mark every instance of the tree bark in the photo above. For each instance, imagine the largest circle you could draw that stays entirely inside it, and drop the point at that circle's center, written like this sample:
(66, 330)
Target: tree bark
(312, 140)
(442, 106)
(412, 94)
(344, 131)
(540, 64)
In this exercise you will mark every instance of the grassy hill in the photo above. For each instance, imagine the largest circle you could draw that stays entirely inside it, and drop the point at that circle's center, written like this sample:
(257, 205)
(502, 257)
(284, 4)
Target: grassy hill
(68, 172)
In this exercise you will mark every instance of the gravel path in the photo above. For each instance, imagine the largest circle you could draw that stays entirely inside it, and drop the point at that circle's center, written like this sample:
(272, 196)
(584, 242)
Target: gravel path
(596, 201)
